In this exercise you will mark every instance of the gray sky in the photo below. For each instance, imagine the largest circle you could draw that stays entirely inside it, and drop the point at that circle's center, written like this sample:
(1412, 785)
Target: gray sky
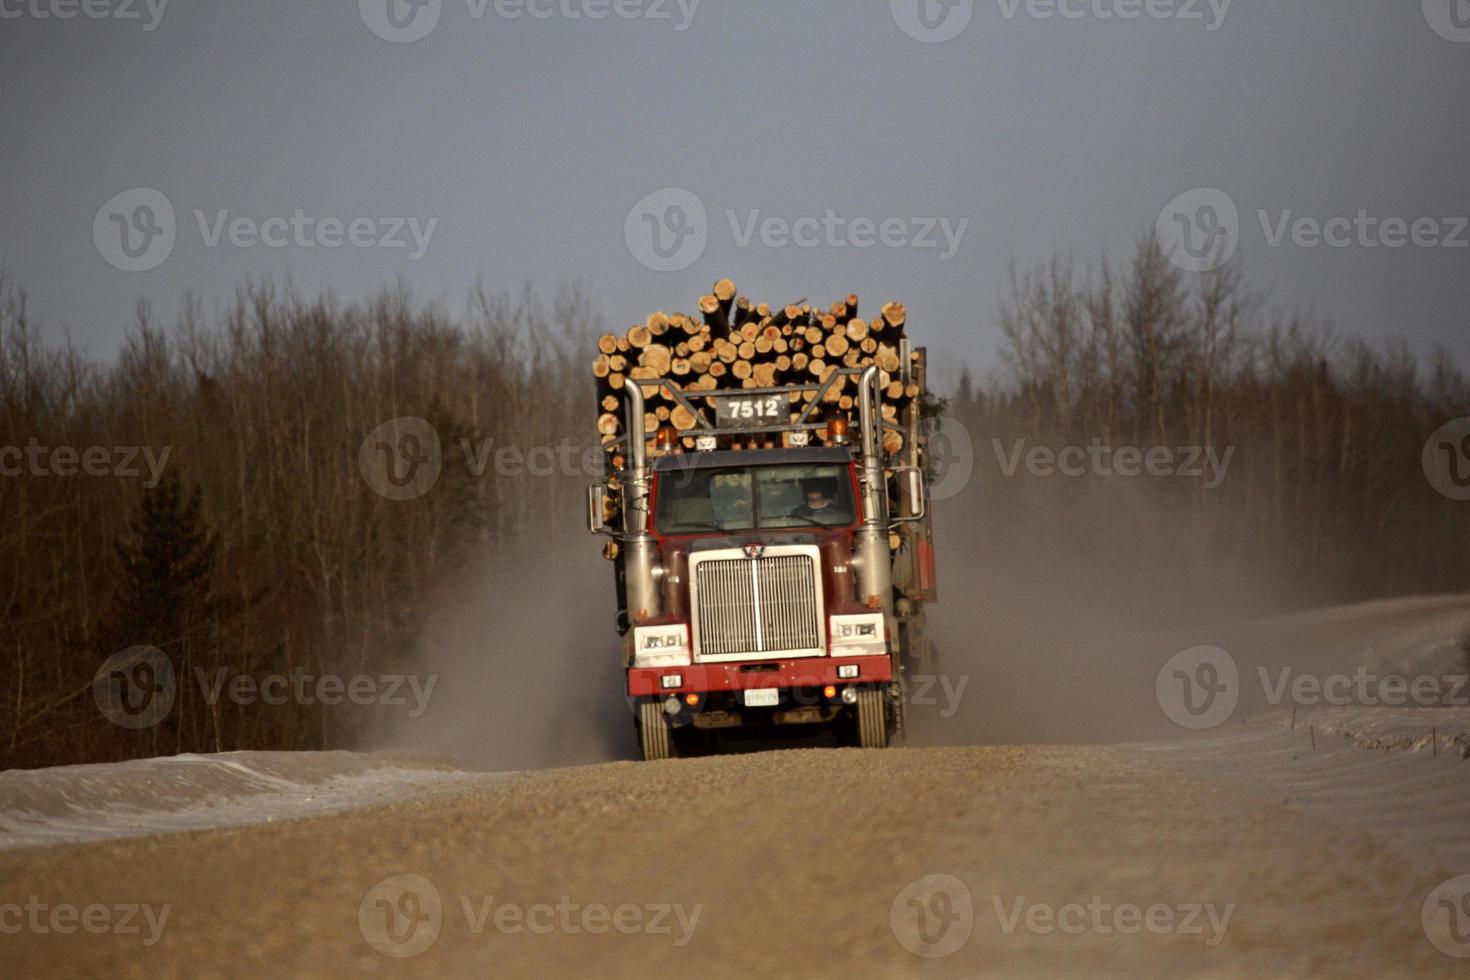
(531, 140)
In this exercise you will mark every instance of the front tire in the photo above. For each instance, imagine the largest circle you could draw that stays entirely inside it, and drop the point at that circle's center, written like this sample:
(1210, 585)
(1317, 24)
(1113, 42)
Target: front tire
(655, 737)
(872, 719)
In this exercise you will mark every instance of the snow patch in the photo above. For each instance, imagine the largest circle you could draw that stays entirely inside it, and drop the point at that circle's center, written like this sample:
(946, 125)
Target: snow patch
(68, 804)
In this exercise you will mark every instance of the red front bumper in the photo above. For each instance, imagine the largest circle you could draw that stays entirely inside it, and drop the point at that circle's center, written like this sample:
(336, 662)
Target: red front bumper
(813, 672)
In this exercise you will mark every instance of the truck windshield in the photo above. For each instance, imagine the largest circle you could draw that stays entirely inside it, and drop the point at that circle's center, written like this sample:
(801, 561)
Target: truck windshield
(750, 497)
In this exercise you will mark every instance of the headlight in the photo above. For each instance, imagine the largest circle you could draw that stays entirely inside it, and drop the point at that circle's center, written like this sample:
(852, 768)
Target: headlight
(861, 634)
(660, 646)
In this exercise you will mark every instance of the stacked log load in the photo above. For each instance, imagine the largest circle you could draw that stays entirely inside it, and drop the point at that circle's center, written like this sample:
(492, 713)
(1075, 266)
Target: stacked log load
(734, 343)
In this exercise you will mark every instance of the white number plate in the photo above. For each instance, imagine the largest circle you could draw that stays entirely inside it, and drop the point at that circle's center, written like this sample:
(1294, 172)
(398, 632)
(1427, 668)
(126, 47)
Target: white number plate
(762, 697)
(754, 410)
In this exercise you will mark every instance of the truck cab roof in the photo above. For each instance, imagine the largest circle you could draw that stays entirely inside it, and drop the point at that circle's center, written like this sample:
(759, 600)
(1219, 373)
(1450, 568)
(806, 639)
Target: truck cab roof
(752, 457)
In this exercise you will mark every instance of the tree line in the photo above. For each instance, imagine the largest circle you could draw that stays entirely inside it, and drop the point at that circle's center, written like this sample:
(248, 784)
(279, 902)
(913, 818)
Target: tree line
(262, 545)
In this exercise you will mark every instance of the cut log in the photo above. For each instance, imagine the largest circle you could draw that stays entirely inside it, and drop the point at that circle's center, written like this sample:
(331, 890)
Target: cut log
(656, 358)
(639, 337)
(894, 315)
(715, 316)
(607, 343)
(744, 311)
(886, 358)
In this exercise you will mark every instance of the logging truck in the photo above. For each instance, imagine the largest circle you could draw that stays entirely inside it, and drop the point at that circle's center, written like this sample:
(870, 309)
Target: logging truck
(773, 552)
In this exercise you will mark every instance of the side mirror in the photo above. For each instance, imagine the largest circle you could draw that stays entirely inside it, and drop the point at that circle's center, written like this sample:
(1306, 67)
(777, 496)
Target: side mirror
(596, 502)
(912, 483)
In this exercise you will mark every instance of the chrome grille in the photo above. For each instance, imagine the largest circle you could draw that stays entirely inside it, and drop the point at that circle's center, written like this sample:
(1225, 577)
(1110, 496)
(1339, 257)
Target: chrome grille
(765, 605)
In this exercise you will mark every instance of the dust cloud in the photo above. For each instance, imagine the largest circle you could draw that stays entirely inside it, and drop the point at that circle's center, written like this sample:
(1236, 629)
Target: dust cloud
(1052, 623)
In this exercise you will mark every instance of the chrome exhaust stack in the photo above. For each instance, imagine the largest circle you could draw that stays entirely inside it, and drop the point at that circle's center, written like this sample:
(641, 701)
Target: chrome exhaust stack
(875, 576)
(639, 555)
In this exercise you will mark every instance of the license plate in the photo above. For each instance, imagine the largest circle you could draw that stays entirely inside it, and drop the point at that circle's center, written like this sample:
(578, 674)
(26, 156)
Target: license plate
(763, 697)
(751, 410)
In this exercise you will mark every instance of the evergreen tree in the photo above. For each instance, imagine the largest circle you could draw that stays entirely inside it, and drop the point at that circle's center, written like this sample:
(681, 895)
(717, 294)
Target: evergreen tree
(167, 561)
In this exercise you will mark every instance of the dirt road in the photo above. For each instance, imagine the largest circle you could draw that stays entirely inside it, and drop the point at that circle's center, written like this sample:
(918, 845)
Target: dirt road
(1060, 861)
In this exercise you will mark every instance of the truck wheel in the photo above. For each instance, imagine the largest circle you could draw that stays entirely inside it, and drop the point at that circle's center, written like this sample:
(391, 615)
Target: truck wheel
(872, 719)
(654, 735)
